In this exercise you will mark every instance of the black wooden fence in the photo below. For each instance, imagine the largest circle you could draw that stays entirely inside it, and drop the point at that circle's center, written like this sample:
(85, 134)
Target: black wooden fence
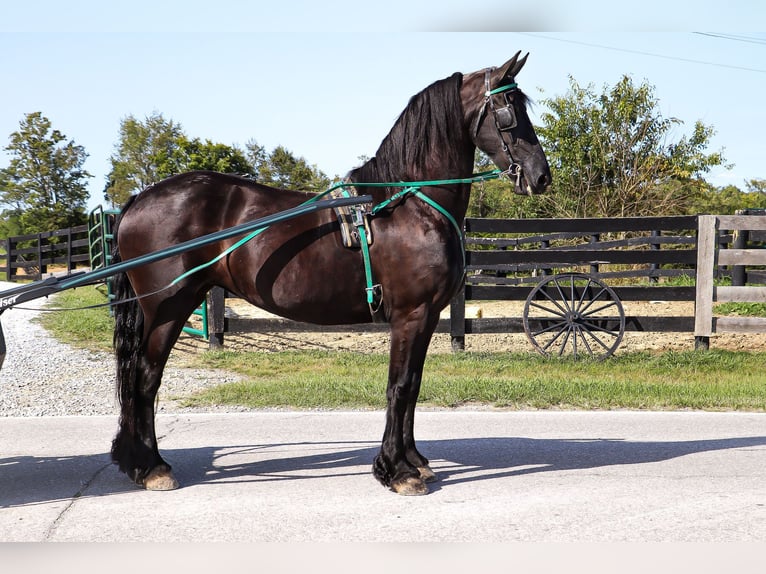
(28, 257)
(641, 258)
(636, 256)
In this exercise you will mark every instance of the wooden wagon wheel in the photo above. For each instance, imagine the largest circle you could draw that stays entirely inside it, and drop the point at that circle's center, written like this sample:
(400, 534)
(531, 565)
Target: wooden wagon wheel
(574, 314)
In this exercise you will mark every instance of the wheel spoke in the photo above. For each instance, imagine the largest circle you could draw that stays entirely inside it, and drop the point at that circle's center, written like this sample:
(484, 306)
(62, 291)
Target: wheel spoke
(582, 297)
(574, 340)
(599, 341)
(580, 330)
(553, 340)
(556, 325)
(567, 306)
(552, 300)
(593, 300)
(564, 344)
(594, 327)
(557, 313)
(599, 309)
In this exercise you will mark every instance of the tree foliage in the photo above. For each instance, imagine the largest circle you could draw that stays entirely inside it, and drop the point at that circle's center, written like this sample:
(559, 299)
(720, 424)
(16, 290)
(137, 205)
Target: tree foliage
(144, 148)
(612, 154)
(281, 168)
(44, 186)
(155, 148)
(728, 199)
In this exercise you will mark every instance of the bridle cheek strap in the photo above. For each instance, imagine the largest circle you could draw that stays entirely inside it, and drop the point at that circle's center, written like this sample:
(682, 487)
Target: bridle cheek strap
(514, 169)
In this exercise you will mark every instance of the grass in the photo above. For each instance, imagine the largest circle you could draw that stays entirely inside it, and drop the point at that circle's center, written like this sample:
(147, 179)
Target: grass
(86, 328)
(713, 380)
(716, 380)
(741, 309)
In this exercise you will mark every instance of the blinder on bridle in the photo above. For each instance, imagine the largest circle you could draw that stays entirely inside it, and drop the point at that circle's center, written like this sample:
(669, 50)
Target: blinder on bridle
(505, 117)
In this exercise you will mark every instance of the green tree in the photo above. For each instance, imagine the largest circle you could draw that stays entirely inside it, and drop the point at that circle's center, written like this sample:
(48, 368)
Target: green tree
(728, 199)
(151, 150)
(756, 186)
(281, 168)
(44, 186)
(612, 156)
(195, 154)
(141, 155)
(154, 149)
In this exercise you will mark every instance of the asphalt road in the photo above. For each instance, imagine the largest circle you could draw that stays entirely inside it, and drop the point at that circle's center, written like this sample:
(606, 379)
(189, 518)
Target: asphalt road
(304, 476)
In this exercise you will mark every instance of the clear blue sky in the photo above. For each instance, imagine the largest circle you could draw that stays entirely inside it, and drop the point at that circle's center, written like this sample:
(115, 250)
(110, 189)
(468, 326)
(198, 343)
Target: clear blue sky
(327, 81)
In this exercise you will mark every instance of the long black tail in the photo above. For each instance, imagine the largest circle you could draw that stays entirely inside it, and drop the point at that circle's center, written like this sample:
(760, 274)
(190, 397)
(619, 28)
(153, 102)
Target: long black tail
(128, 335)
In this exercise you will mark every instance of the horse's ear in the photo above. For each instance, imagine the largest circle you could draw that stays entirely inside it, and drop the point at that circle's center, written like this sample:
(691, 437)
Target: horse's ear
(513, 66)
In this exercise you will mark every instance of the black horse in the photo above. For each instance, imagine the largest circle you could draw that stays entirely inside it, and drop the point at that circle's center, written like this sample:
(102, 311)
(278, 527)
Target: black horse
(300, 269)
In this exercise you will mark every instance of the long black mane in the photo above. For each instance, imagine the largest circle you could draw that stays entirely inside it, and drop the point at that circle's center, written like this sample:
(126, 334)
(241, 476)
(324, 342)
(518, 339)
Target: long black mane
(430, 125)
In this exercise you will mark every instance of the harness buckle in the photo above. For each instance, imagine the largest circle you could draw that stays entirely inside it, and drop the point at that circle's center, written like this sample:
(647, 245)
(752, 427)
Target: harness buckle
(357, 216)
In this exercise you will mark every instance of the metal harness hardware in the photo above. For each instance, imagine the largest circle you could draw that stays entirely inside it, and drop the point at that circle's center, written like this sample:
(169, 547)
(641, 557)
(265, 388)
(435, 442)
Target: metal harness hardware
(350, 218)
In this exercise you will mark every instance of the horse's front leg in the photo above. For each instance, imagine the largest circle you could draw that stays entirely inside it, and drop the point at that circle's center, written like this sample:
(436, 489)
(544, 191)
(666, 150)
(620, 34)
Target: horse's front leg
(411, 452)
(398, 464)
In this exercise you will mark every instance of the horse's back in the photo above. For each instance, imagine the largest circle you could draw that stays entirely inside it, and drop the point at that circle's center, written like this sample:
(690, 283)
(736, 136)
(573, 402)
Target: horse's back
(196, 203)
(214, 192)
(292, 268)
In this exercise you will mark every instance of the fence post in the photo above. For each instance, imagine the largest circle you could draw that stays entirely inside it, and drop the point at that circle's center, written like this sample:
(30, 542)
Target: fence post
(703, 304)
(42, 269)
(216, 317)
(69, 264)
(8, 259)
(545, 244)
(594, 238)
(457, 320)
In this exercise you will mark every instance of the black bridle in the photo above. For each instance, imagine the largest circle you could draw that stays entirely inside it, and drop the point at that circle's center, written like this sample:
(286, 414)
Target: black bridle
(504, 118)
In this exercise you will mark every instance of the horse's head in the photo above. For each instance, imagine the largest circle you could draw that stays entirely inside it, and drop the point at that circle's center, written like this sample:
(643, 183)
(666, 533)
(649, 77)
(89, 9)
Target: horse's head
(496, 111)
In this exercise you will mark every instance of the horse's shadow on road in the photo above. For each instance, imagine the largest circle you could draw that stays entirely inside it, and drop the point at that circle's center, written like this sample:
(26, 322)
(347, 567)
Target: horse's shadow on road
(455, 460)
(31, 480)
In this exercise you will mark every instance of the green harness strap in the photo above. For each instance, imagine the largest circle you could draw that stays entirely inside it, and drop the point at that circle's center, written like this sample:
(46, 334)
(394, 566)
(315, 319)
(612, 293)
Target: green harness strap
(409, 189)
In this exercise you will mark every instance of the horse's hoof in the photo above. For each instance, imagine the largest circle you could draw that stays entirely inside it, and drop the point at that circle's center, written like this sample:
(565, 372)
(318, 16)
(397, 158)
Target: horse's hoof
(426, 474)
(160, 479)
(410, 486)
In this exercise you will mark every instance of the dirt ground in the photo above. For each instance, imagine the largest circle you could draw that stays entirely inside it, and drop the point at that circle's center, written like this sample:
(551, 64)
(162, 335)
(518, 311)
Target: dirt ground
(516, 342)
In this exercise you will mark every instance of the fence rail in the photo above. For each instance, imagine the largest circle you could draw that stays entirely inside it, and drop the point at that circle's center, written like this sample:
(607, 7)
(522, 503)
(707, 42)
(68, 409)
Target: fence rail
(637, 251)
(28, 257)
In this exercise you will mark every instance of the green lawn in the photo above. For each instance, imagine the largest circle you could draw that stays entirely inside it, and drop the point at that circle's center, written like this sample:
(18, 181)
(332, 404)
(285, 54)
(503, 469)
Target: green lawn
(714, 380)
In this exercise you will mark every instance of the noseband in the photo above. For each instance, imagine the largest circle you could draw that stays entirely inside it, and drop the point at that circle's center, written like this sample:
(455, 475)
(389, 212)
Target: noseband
(504, 117)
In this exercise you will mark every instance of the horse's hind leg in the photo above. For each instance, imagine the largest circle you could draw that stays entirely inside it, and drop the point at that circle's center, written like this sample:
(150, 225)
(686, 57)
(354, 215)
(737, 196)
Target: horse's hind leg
(135, 447)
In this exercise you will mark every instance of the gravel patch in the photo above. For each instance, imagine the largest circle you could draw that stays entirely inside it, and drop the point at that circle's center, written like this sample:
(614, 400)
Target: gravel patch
(42, 377)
